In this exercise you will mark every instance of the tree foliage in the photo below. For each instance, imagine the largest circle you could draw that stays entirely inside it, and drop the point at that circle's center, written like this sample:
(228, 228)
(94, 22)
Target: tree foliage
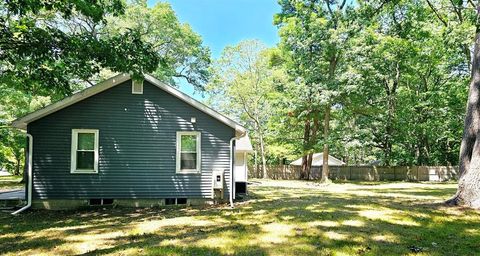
(181, 51)
(47, 45)
(242, 86)
(397, 90)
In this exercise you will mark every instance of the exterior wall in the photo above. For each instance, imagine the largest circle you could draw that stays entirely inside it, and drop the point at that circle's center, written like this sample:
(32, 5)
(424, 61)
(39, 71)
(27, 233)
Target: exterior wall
(240, 173)
(137, 147)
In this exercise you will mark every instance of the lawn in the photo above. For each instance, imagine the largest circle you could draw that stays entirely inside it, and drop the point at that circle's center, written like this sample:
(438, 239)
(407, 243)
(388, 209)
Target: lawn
(10, 182)
(281, 218)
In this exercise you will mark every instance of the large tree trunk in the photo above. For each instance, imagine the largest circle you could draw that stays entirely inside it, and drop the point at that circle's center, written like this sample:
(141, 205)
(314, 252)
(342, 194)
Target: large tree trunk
(391, 105)
(306, 140)
(326, 124)
(468, 193)
(257, 173)
(313, 140)
(264, 161)
(309, 166)
(259, 132)
(17, 167)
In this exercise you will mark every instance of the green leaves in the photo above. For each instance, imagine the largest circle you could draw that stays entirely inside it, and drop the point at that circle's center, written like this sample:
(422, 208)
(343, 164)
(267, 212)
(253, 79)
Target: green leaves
(181, 51)
(49, 44)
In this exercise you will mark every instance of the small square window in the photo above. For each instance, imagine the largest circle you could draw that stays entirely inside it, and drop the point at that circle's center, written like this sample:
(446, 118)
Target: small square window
(181, 201)
(95, 201)
(169, 201)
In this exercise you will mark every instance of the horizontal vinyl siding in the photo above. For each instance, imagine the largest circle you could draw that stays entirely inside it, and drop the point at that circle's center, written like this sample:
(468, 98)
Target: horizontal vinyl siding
(137, 147)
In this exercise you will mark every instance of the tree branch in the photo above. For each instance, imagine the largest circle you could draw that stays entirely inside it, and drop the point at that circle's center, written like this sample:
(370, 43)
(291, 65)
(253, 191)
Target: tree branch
(436, 13)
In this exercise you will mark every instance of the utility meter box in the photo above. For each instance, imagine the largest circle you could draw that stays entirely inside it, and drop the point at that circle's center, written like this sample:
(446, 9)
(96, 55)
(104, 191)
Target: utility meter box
(217, 179)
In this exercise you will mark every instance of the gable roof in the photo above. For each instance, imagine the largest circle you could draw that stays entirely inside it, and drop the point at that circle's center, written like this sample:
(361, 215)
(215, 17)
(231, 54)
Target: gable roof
(317, 160)
(22, 122)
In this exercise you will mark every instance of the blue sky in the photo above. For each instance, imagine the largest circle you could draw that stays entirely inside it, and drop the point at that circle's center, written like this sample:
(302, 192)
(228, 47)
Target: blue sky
(227, 22)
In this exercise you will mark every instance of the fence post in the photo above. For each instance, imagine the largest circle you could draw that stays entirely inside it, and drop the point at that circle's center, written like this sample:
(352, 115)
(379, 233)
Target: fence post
(394, 173)
(350, 170)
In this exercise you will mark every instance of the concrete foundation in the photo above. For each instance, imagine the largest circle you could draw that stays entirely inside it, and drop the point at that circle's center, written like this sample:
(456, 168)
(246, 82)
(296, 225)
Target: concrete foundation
(59, 204)
(69, 204)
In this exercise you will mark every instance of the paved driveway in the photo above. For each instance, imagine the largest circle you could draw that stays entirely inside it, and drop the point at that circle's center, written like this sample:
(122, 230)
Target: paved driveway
(17, 194)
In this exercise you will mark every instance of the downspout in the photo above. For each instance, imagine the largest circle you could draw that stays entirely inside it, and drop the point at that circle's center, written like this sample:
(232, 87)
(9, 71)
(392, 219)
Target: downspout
(232, 155)
(29, 175)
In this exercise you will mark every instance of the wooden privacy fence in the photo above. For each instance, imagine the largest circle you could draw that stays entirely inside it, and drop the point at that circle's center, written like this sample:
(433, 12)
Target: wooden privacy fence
(366, 173)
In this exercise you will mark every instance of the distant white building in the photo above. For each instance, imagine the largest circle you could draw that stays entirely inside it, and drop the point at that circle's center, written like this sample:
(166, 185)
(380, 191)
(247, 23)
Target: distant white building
(317, 161)
(4, 172)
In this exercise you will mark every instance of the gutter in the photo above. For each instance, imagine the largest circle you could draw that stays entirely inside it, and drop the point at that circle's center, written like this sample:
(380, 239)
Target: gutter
(29, 175)
(232, 155)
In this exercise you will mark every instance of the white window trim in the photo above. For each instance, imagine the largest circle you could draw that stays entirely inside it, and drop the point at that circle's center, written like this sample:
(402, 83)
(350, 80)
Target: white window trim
(73, 166)
(134, 82)
(199, 153)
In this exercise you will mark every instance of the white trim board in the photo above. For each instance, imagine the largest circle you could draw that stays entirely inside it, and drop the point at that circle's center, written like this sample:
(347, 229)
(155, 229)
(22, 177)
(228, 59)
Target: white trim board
(22, 122)
(74, 149)
(198, 149)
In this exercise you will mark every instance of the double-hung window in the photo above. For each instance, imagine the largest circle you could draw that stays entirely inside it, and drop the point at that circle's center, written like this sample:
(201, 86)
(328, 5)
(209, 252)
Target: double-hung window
(188, 152)
(84, 154)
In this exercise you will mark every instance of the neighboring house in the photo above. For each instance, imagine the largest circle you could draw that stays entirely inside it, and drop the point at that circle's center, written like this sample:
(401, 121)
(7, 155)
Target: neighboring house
(138, 143)
(317, 161)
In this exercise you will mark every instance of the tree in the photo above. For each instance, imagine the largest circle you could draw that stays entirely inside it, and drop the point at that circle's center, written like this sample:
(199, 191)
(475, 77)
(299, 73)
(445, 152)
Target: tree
(40, 56)
(468, 192)
(181, 51)
(12, 142)
(315, 36)
(241, 86)
(463, 17)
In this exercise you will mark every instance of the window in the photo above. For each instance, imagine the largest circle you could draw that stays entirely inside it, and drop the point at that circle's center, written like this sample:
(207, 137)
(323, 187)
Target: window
(188, 152)
(169, 201)
(100, 201)
(137, 86)
(181, 201)
(84, 151)
(175, 201)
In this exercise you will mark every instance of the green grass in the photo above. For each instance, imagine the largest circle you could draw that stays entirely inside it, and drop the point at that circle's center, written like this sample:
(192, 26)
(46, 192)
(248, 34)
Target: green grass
(10, 182)
(280, 218)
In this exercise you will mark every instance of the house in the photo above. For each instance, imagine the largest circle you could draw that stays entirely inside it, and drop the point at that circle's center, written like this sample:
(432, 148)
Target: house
(317, 161)
(129, 142)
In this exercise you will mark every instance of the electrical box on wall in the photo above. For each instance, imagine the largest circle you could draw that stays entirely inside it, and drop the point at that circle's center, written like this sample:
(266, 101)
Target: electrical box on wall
(218, 179)
(217, 183)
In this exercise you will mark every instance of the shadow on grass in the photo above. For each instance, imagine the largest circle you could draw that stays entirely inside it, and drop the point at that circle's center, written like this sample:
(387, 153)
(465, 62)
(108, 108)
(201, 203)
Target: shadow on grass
(305, 221)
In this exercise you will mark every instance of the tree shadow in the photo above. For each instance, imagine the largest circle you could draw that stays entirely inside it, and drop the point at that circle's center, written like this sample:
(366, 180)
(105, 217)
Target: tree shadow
(274, 221)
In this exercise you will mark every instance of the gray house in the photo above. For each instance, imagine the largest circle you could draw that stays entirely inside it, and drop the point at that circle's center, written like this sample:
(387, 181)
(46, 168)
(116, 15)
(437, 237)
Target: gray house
(138, 143)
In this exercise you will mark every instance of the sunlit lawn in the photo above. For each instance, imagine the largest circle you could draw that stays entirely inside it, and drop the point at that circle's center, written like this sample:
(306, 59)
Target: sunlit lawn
(281, 218)
(10, 182)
